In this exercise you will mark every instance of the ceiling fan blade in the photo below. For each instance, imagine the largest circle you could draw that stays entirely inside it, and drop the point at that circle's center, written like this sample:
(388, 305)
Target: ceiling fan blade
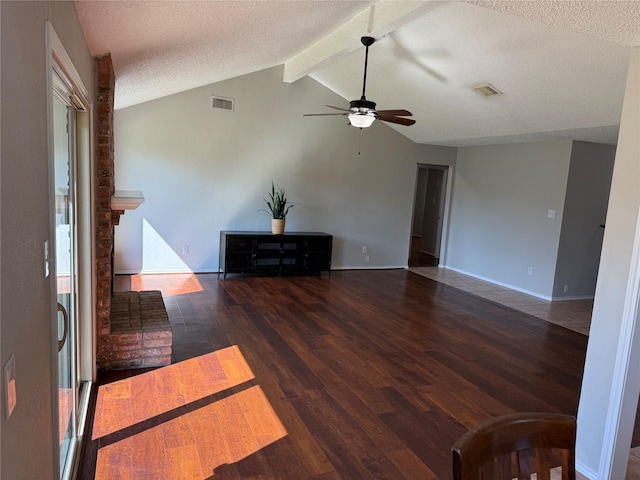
(322, 114)
(338, 108)
(398, 120)
(398, 113)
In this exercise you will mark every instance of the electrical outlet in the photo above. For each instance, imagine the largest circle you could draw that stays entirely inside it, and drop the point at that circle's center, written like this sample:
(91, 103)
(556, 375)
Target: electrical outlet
(364, 249)
(9, 380)
(551, 214)
(185, 249)
(529, 271)
(366, 258)
(566, 288)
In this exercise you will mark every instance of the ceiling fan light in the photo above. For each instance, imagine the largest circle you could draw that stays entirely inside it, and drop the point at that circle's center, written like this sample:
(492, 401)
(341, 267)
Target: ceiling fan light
(361, 121)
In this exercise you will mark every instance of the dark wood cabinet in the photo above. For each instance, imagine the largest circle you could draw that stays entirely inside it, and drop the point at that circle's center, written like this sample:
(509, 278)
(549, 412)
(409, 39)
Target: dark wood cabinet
(264, 252)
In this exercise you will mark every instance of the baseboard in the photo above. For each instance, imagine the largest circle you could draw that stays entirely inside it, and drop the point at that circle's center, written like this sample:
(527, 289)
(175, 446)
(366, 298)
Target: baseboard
(359, 267)
(162, 272)
(582, 469)
(573, 297)
(501, 284)
(170, 272)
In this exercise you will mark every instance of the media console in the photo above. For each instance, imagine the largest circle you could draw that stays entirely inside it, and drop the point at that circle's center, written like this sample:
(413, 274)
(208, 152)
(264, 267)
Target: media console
(264, 252)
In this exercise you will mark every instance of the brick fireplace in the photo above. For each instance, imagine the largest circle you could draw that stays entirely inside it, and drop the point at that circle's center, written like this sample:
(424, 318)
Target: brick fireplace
(136, 332)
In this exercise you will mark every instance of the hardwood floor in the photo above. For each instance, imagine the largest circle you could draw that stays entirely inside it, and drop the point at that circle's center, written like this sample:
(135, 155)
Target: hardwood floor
(572, 314)
(372, 374)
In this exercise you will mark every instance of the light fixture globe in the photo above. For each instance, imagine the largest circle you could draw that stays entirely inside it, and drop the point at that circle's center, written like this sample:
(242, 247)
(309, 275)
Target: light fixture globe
(361, 120)
(363, 112)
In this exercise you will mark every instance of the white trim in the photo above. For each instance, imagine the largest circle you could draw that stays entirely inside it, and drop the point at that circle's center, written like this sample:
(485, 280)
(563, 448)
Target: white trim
(501, 284)
(379, 267)
(586, 471)
(204, 271)
(65, 66)
(572, 297)
(83, 410)
(62, 78)
(624, 365)
(52, 265)
(162, 272)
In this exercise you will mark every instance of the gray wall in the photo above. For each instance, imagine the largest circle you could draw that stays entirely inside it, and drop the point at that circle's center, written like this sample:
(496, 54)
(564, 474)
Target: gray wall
(499, 226)
(27, 445)
(203, 170)
(585, 209)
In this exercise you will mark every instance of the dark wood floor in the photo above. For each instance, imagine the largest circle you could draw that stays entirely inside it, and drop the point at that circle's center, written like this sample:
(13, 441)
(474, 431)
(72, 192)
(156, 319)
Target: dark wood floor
(374, 374)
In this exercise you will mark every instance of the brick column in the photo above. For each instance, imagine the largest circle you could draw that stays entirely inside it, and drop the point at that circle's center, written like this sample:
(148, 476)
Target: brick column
(105, 87)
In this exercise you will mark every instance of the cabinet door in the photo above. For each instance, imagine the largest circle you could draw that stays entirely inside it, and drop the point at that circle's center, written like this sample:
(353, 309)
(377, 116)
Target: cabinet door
(239, 262)
(292, 253)
(267, 254)
(238, 253)
(239, 243)
(318, 253)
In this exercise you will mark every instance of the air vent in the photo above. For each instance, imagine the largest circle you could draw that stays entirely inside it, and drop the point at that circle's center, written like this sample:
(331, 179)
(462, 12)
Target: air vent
(487, 90)
(222, 102)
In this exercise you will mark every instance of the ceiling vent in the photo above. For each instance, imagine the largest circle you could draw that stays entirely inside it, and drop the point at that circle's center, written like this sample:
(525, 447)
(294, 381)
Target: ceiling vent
(222, 102)
(487, 90)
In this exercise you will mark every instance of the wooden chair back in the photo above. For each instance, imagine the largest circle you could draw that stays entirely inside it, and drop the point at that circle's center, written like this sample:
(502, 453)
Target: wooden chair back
(516, 445)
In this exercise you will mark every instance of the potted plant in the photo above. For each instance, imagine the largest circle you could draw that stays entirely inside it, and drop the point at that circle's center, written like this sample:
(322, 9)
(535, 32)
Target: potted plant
(277, 207)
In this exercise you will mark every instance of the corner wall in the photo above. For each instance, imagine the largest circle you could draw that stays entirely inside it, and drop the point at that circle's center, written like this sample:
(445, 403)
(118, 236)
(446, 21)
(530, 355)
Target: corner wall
(499, 225)
(585, 210)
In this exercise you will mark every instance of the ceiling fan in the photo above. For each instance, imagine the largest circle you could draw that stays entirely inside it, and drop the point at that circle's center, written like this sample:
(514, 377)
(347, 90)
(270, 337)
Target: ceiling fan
(362, 113)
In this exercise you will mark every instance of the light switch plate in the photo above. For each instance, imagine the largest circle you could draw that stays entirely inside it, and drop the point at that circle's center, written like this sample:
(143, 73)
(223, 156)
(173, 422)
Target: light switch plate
(9, 379)
(45, 255)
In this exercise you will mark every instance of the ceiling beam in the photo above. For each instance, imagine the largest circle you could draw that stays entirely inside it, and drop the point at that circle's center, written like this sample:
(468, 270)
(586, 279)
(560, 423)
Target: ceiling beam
(378, 20)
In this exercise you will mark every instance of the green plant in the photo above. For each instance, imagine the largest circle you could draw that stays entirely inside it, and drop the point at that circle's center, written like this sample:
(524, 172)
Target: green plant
(277, 203)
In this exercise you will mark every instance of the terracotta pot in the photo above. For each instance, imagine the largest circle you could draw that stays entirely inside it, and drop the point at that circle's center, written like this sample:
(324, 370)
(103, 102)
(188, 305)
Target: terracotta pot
(277, 226)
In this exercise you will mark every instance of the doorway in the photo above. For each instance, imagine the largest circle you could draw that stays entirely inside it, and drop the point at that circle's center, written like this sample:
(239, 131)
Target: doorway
(428, 216)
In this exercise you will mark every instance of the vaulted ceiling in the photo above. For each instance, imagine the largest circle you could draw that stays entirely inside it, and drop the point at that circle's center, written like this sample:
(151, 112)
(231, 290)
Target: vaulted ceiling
(560, 64)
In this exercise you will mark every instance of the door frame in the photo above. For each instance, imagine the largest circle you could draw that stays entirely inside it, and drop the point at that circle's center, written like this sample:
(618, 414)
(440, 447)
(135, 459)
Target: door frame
(59, 63)
(445, 197)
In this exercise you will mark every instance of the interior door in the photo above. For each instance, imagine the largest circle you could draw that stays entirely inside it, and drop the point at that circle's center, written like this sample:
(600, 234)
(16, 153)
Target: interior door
(65, 279)
(431, 228)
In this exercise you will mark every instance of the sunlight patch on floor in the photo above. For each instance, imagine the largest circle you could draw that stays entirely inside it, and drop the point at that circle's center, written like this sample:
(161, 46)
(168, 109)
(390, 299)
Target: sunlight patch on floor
(169, 285)
(193, 445)
(148, 426)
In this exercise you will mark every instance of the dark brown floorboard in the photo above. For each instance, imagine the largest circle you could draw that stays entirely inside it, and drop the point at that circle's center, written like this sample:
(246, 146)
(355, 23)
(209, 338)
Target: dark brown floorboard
(374, 374)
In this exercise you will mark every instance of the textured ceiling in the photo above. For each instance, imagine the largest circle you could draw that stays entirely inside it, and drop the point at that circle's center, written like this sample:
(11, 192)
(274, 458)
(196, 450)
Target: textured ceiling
(560, 64)
(164, 47)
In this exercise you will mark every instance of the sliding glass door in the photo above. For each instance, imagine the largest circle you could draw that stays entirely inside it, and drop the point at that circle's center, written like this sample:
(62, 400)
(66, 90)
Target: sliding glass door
(66, 278)
(69, 253)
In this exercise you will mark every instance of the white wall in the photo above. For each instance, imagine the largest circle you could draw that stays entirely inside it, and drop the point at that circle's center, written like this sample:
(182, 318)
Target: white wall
(498, 224)
(27, 445)
(585, 209)
(203, 170)
(609, 394)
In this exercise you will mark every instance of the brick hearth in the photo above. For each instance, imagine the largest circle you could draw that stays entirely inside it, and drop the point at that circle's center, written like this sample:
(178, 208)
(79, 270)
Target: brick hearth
(140, 330)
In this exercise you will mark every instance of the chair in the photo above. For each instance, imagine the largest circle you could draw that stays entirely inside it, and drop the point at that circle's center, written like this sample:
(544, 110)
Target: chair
(516, 445)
